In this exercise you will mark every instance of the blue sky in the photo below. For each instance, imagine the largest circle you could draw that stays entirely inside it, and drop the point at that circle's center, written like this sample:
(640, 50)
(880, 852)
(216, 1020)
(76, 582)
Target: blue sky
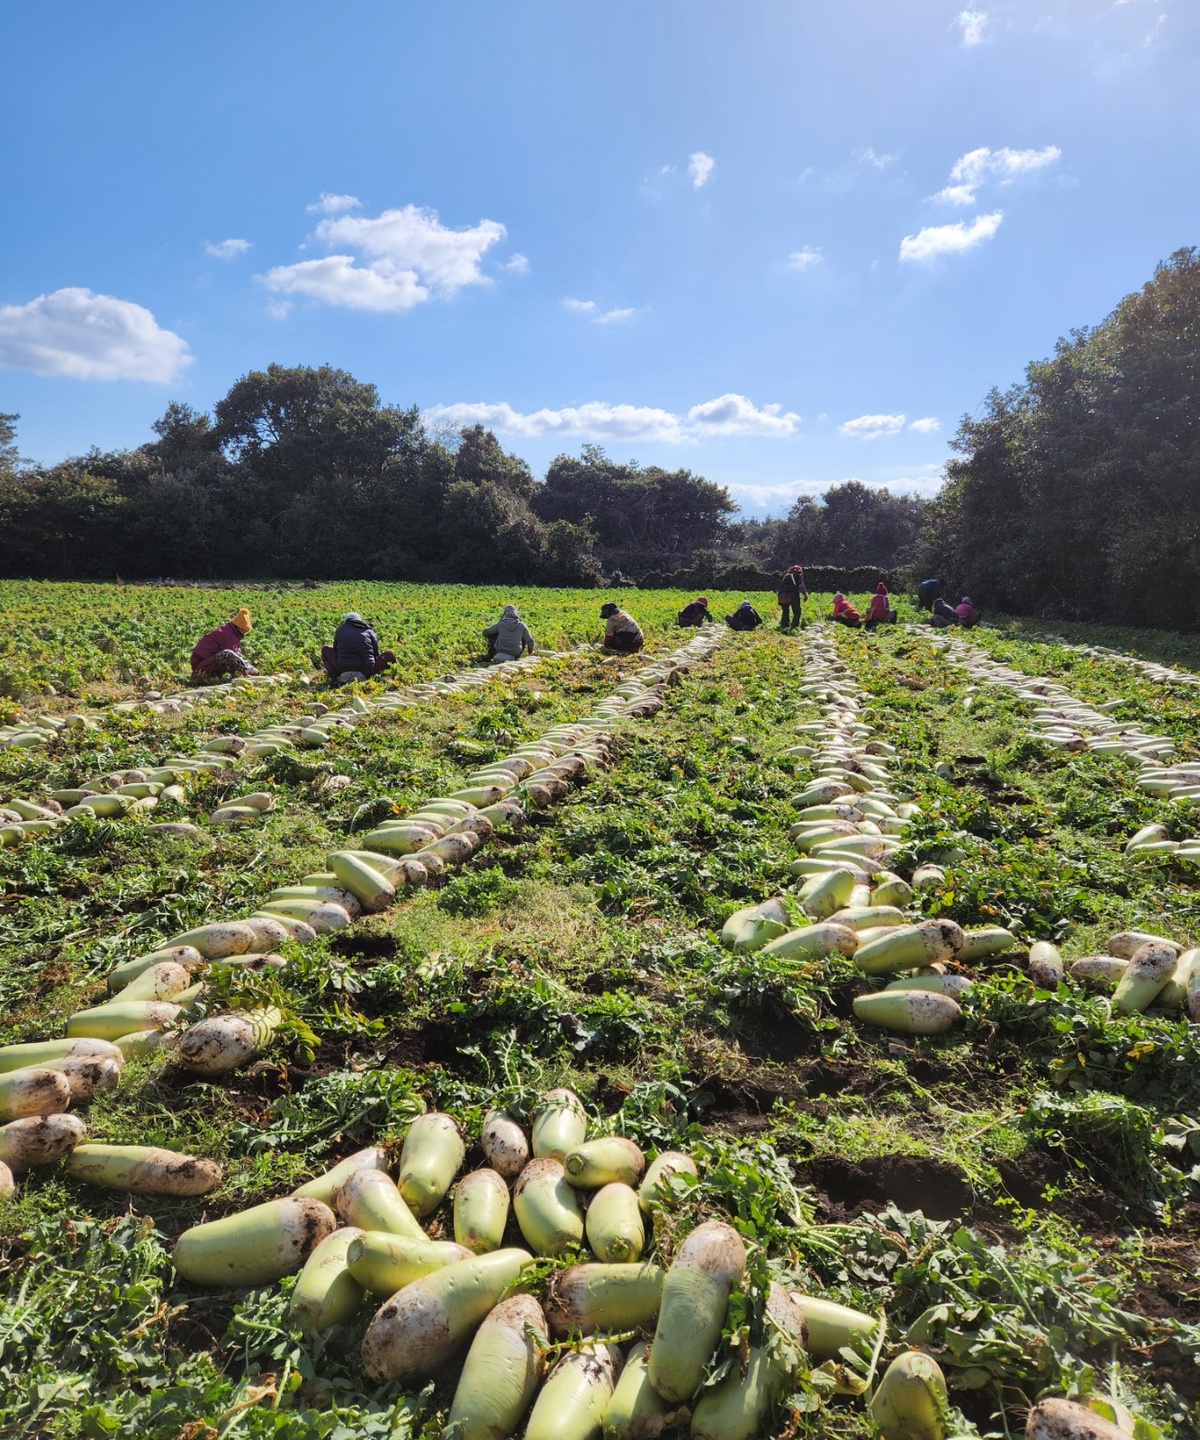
(782, 244)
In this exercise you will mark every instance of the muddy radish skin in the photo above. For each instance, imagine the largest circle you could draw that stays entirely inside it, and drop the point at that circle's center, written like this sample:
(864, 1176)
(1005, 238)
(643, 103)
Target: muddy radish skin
(1150, 967)
(326, 1293)
(255, 1247)
(481, 1205)
(576, 1394)
(910, 1400)
(324, 1187)
(504, 1144)
(559, 1125)
(47, 1053)
(911, 948)
(501, 1372)
(369, 1199)
(8, 1186)
(737, 1408)
(143, 1169)
(384, 1263)
(696, 1291)
(433, 1151)
(33, 1091)
(604, 1162)
(39, 1140)
(186, 955)
(1066, 1420)
(591, 1298)
(546, 1208)
(427, 1323)
(908, 1012)
(89, 1075)
(224, 1043)
(656, 1188)
(1045, 965)
(1125, 942)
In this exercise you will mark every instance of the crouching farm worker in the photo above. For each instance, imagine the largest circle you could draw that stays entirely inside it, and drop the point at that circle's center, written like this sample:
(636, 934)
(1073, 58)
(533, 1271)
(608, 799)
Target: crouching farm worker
(879, 612)
(622, 633)
(508, 638)
(696, 613)
(219, 653)
(943, 614)
(355, 652)
(966, 612)
(845, 613)
(745, 617)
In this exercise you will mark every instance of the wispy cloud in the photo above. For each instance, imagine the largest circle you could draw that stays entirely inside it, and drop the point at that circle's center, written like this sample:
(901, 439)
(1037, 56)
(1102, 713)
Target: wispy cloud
(517, 263)
(79, 335)
(928, 425)
(873, 158)
(596, 315)
(973, 26)
(410, 257)
(700, 168)
(334, 204)
(936, 240)
(226, 249)
(872, 427)
(971, 170)
(728, 415)
(805, 258)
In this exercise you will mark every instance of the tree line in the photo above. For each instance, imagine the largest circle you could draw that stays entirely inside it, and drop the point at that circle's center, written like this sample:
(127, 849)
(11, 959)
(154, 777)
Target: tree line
(304, 472)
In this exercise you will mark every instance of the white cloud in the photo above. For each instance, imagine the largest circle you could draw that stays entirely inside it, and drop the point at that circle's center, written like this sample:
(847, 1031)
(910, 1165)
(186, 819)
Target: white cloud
(872, 427)
(517, 263)
(805, 258)
(84, 336)
(597, 420)
(971, 170)
(874, 159)
(700, 168)
(935, 240)
(973, 24)
(411, 257)
(226, 249)
(334, 204)
(596, 315)
(928, 426)
(735, 415)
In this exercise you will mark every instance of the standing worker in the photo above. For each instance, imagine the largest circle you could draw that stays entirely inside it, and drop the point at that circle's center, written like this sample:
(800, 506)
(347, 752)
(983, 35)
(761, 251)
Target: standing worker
(508, 638)
(219, 653)
(927, 592)
(622, 633)
(355, 652)
(793, 592)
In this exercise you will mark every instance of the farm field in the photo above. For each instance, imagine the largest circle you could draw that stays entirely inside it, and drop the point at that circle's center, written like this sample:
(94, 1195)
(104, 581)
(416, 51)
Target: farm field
(1016, 1195)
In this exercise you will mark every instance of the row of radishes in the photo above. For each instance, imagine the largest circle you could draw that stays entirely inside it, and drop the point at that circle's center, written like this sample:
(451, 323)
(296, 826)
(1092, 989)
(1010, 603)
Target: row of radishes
(850, 820)
(1069, 724)
(137, 791)
(154, 992)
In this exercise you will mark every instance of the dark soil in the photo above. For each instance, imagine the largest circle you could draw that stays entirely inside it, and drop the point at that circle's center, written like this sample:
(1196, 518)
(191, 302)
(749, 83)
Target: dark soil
(911, 1182)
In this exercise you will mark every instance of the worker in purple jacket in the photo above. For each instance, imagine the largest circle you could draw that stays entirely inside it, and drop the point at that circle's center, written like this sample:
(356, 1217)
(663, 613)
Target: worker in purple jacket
(219, 653)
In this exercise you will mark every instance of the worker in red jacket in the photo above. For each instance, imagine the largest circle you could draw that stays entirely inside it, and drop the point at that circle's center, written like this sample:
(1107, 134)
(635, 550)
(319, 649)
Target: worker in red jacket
(219, 653)
(845, 613)
(879, 612)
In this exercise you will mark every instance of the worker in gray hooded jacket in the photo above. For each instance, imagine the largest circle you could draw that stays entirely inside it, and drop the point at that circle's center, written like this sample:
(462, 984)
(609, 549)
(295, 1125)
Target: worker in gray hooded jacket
(508, 638)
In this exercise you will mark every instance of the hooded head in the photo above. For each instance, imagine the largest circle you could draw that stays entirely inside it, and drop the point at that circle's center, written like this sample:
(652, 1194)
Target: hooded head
(242, 620)
(607, 610)
(702, 600)
(966, 600)
(353, 616)
(838, 596)
(510, 612)
(881, 589)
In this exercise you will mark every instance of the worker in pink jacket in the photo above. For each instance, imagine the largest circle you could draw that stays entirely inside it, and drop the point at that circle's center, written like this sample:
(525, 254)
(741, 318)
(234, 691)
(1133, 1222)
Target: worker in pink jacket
(219, 653)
